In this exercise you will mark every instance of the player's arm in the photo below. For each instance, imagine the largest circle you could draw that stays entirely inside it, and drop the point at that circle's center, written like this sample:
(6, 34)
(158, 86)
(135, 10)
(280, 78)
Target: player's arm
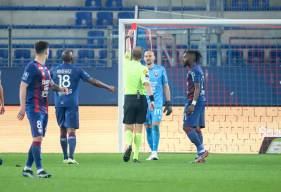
(57, 88)
(2, 109)
(195, 97)
(168, 105)
(23, 88)
(146, 83)
(128, 46)
(100, 84)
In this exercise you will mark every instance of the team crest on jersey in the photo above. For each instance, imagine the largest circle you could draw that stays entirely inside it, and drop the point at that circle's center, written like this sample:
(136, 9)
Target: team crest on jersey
(155, 74)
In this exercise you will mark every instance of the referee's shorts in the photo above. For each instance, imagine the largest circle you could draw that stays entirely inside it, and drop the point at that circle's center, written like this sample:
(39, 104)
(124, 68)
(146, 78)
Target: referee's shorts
(135, 109)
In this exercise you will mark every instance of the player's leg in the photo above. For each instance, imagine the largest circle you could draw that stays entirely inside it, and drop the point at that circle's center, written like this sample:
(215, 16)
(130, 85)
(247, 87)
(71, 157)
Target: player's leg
(148, 128)
(72, 123)
(60, 116)
(156, 119)
(129, 120)
(137, 141)
(191, 121)
(204, 154)
(140, 119)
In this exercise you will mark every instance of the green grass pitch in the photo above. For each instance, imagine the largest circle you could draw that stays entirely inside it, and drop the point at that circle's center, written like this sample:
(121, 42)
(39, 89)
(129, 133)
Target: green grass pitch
(173, 173)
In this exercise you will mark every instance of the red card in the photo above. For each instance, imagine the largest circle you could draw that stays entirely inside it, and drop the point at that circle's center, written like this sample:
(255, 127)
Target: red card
(134, 26)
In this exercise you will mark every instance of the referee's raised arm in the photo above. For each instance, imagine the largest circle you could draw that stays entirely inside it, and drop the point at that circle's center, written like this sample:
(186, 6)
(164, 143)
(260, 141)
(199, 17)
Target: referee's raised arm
(137, 86)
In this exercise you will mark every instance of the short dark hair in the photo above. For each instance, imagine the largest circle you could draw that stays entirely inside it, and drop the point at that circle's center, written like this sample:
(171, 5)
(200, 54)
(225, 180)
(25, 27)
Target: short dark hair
(137, 53)
(41, 46)
(67, 56)
(196, 53)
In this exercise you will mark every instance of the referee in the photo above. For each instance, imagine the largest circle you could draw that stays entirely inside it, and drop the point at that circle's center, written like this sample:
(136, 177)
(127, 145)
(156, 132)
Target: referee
(137, 86)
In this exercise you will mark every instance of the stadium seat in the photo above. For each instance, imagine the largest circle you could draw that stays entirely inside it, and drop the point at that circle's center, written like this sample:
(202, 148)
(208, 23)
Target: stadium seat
(103, 57)
(86, 56)
(93, 3)
(212, 57)
(96, 38)
(125, 15)
(114, 3)
(115, 39)
(58, 55)
(260, 4)
(275, 56)
(104, 18)
(21, 56)
(239, 4)
(234, 57)
(256, 56)
(3, 57)
(83, 19)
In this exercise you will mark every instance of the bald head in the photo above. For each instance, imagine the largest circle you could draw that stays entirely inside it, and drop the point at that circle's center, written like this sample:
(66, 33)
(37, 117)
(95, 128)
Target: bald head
(137, 53)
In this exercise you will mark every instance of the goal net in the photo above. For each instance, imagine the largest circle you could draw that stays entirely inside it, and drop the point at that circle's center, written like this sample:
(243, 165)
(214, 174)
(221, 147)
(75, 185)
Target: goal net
(241, 60)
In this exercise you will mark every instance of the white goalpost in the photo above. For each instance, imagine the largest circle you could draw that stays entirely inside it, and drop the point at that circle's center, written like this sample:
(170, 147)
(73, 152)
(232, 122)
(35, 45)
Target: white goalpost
(125, 24)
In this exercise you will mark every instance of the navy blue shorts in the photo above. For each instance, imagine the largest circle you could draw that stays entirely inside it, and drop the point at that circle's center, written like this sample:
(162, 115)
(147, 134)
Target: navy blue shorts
(196, 118)
(67, 117)
(38, 122)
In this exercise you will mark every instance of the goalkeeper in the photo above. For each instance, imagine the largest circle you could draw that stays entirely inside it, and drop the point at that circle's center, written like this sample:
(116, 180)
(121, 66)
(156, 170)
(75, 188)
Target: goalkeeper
(159, 82)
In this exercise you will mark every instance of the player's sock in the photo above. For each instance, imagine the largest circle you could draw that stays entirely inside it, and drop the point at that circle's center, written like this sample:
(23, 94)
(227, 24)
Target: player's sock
(129, 137)
(155, 136)
(63, 143)
(137, 145)
(30, 159)
(149, 137)
(72, 144)
(36, 152)
(194, 138)
(200, 135)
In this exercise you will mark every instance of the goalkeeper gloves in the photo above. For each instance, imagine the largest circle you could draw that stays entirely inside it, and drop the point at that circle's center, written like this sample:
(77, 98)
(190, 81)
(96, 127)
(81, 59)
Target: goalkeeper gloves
(168, 108)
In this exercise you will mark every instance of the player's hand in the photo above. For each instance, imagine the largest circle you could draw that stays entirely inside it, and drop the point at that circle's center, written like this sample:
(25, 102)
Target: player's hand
(151, 106)
(168, 108)
(190, 109)
(21, 114)
(130, 33)
(64, 90)
(111, 89)
(2, 110)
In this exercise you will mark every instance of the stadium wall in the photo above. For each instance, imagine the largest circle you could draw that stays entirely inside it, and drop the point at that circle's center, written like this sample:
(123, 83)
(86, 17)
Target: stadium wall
(228, 130)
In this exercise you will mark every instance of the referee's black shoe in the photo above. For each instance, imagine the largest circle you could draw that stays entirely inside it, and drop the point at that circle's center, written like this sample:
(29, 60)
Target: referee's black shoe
(1, 161)
(127, 154)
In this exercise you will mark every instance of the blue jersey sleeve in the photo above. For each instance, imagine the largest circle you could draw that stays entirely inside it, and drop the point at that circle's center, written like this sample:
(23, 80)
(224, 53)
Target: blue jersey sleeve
(29, 73)
(84, 75)
(164, 77)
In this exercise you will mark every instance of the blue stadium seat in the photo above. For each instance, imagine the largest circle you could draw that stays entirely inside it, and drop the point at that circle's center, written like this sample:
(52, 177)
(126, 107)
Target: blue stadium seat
(104, 18)
(103, 57)
(275, 56)
(126, 15)
(234, 57)
(83, 19)
(256, 56)
(239, 4)
(86, 56)
(22, 56)
(93, 3)
(3, 57)
(58, 55)
(260, 4)
(212, 57)
(96, 38)
(113, 3)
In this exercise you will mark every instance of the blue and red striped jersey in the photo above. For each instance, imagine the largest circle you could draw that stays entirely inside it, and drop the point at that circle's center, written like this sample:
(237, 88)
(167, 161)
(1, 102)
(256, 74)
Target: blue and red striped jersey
(38, 78)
